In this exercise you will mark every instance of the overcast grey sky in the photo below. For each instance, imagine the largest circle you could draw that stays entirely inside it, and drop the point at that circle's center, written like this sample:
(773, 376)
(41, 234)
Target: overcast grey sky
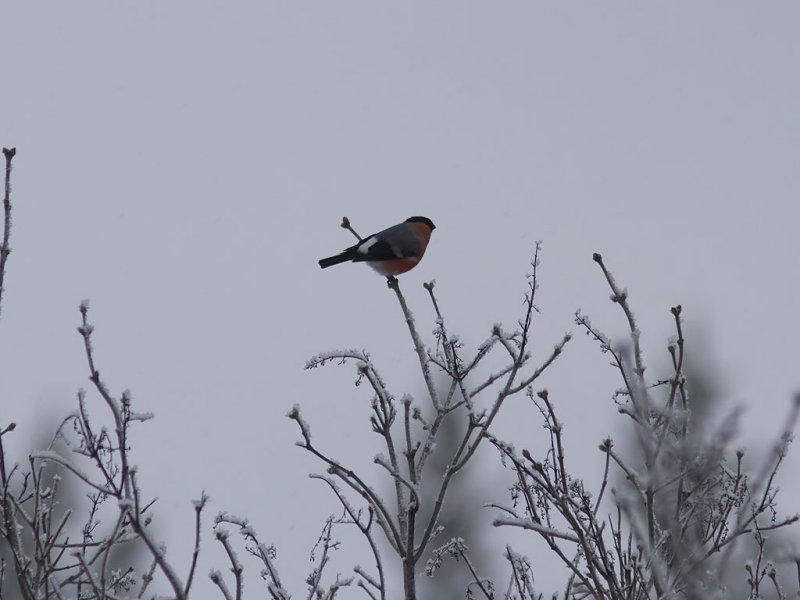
(184, 164)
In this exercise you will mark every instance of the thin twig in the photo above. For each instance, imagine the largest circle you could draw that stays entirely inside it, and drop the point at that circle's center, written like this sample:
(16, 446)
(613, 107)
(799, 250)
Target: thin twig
(5, 249)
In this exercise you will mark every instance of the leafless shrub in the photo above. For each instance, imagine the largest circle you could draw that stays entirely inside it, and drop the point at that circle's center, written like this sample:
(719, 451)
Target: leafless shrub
(53, 563)
(407, 532)
(51, 556)
(681, 507)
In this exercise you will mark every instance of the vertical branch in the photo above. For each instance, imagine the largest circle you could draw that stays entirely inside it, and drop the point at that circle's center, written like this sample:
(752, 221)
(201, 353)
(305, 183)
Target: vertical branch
(529, 297)
(366, 531)
(10, 525)
(88, 573)
(5, 249)
(118, 412)
(236, 567)
(108, 546)
(449, 351)
(125, 491)
(419, 347)
(637, 389)
(198, 508)
(621, 297)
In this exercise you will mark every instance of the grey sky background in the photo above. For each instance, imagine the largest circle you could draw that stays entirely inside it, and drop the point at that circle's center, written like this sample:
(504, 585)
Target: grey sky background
(184, 164)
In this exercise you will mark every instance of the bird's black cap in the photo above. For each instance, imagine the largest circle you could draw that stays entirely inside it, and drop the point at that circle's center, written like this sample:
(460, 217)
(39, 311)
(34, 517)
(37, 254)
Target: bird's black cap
(424, 220)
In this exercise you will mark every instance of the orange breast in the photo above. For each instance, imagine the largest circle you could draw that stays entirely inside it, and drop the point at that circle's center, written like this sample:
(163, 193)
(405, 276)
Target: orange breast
(401, 265)
(395, 266)
(424, 234)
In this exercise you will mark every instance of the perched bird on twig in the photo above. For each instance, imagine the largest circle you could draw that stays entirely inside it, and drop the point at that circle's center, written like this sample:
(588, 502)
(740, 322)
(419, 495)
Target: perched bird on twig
(390, 252)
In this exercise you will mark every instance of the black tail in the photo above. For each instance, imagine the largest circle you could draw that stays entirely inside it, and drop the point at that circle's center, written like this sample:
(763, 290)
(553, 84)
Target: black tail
(335, 260)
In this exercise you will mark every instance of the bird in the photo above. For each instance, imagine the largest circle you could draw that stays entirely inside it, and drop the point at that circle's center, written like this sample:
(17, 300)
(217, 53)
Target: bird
(392, 251)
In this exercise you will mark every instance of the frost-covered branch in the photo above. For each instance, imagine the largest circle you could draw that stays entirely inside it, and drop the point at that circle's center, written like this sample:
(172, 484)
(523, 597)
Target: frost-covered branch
(265, 554)
(5, 248)
(679, 509)
(365, 527)
(50, 561)
(419, 346)
(456, 549)
(421, 424)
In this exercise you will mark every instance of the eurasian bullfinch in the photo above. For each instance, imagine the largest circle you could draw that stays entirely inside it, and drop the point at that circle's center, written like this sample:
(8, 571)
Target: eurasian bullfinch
(391, 251)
